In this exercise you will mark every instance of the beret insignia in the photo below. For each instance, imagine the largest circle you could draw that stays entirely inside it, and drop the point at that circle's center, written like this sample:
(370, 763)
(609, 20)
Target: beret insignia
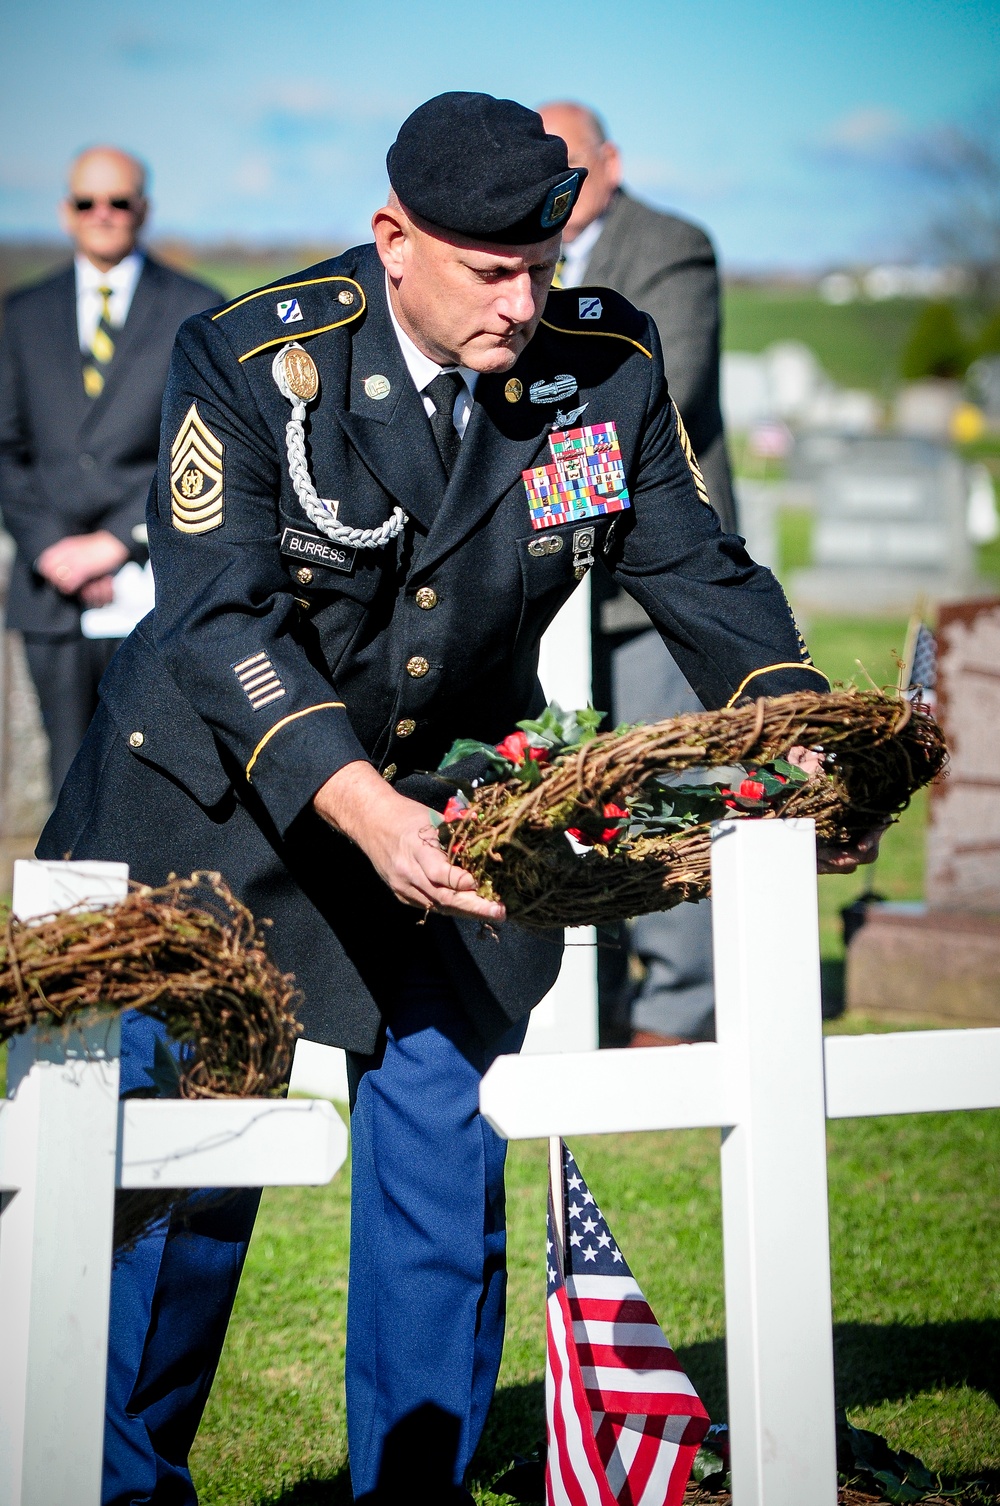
(196, 456)
(559, 202)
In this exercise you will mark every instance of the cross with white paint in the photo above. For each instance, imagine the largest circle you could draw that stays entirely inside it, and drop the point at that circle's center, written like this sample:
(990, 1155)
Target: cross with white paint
(770, 1081)
(66, 1143)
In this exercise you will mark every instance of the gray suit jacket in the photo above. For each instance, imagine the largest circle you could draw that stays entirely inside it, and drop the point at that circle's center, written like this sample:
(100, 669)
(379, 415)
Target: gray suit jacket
(70, 464)
(666, 266)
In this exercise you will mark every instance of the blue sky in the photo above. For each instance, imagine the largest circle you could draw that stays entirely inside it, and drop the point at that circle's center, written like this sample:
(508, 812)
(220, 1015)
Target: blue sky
(775, 124)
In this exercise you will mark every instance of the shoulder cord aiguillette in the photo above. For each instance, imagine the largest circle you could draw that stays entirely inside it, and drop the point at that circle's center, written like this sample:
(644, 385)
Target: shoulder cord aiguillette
(317, 509)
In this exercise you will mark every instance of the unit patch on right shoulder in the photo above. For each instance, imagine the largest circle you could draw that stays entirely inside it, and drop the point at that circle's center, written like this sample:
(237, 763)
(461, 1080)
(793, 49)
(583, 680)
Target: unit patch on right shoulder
(196, 459)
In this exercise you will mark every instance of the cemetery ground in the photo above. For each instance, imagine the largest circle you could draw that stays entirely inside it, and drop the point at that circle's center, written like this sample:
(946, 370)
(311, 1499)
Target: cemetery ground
(915, 1231)
(915, 1228)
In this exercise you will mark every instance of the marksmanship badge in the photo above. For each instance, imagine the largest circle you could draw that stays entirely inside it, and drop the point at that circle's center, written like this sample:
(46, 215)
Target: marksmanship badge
(196, 458)
(586, 479)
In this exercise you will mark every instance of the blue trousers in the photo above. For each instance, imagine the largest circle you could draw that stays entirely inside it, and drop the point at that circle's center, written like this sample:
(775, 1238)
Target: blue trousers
(171, 1297)
(426, 1300)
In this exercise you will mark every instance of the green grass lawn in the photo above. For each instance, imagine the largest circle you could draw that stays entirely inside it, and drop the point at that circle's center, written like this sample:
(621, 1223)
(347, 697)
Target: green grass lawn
(916, 1267)
(915, 1221)
(858, 344)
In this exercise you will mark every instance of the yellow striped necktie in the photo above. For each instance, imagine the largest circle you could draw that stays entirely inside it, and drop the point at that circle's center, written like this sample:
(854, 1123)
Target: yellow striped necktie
(560, 268)
(102, 348)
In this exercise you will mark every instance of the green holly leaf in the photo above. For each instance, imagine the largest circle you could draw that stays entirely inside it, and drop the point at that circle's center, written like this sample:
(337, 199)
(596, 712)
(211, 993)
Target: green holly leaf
(529, 773)
(896, 1490)
(791, 771)
(467, 747)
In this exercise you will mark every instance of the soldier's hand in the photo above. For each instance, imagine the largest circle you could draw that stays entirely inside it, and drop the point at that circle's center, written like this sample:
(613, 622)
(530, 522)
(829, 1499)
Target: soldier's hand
(837, 859)
(397, 837)
(846, 859)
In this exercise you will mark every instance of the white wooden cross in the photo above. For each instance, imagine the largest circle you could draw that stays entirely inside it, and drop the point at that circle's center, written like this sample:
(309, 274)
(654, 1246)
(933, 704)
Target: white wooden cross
(66, 1143)
(770, 1081)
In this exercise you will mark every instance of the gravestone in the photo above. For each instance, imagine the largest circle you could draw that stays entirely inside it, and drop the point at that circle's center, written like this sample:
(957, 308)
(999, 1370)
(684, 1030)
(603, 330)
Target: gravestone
(942, 960)
(891, 529)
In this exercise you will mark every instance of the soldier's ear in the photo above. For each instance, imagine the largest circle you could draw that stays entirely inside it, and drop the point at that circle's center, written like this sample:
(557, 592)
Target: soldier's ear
(390, 230)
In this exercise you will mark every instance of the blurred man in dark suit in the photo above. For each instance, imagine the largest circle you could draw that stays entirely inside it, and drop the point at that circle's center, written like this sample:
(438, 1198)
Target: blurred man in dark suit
(83, 363)
(666, 266)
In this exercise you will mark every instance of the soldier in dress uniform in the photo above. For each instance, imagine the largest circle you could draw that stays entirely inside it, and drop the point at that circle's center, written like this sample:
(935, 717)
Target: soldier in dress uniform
(360, 532)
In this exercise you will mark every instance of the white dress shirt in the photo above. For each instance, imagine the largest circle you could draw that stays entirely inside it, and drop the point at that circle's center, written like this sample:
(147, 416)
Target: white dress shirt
(576, 254)
(120, 279)
(423, 371)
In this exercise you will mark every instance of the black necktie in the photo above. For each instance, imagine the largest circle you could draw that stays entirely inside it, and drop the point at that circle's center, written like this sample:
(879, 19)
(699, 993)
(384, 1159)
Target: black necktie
(443, 393)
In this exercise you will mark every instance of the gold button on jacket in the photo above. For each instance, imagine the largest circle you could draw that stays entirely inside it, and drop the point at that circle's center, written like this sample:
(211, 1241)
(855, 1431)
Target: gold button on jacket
(427, 598)
(417, 666)
(406, 727)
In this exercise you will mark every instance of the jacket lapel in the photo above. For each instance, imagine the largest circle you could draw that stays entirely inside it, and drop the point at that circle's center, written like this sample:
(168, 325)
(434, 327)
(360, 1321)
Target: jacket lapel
(64, 341)
(600, 267)
(130, 339)
(391, 433)
(501, 441)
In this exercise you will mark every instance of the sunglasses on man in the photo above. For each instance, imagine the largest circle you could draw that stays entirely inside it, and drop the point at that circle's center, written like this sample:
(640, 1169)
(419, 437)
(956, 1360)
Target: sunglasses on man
(124, 206)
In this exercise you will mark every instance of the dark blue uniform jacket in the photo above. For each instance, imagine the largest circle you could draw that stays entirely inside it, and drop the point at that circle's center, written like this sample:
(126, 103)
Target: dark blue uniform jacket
(253, 682)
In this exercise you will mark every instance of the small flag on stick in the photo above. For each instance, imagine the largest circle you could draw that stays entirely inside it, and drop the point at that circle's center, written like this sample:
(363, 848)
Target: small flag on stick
(624, 1422)
(918, 671)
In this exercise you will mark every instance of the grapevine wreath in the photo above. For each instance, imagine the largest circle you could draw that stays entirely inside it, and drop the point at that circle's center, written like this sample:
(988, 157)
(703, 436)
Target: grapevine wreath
(191, 955)
(568, 826)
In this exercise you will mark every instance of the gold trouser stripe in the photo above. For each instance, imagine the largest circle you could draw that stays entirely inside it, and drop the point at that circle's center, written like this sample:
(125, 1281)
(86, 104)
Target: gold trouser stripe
(598, 334)
(766, 670)
(323, 706)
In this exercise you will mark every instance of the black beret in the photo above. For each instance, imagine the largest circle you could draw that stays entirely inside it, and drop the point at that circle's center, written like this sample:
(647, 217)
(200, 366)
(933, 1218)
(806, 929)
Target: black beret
(483, 168)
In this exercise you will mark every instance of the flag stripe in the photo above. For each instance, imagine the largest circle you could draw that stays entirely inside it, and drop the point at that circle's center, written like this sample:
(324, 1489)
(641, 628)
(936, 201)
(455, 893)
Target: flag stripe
(621, 1334)
(631, 1357)
(584, 1486)
(608, 1381)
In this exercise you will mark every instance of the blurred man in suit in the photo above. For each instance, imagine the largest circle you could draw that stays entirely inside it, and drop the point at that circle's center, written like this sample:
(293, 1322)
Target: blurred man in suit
(666, 266)
(83, 363)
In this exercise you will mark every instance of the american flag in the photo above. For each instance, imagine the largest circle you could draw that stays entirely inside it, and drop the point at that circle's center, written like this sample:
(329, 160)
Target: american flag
(624, 1422)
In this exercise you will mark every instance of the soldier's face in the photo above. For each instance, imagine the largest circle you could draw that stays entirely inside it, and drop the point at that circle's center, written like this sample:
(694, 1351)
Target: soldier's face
(461, 303)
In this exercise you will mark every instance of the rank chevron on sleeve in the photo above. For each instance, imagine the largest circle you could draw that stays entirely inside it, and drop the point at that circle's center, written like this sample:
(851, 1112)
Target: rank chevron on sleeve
(196, 476)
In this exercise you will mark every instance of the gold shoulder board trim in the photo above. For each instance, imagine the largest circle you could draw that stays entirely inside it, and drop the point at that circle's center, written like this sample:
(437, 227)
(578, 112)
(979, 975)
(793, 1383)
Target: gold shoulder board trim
(196, 476)
(284, 721)
(298, 334)
(766, 670)
(691, 458)
(599, 334)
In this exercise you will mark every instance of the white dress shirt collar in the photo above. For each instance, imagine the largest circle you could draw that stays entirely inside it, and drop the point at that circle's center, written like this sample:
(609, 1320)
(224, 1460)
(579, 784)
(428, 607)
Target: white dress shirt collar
(577, 253)
(121, 279)
(423, 371)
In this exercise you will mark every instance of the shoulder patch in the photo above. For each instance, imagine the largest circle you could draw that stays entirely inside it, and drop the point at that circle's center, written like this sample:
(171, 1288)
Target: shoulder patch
(596, 312)
(196, 476)
(256, 322)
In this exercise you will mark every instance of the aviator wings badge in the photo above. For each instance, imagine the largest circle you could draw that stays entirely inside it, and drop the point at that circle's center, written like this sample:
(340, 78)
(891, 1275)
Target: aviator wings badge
(196, 457)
